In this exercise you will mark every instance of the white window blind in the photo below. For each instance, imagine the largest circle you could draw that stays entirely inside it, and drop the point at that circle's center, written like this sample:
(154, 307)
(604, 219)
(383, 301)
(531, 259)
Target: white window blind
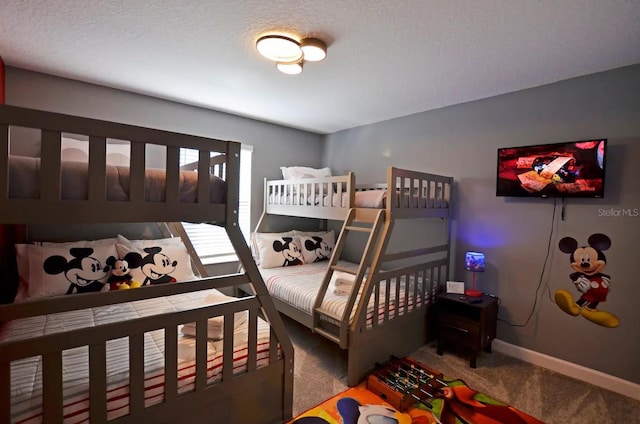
(210, 241)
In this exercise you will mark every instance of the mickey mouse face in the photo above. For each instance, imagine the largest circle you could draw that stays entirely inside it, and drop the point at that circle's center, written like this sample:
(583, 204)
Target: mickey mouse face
(157, 265)
(82, 270)
(585, 259)
(293, 252)
(321, 249)
(120, 268)
(590, 259)
(289, 249)
(90, 270)
(377, 414)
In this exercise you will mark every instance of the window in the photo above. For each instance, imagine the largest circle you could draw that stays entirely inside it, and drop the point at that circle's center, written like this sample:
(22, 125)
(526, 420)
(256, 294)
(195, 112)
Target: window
(210, 241)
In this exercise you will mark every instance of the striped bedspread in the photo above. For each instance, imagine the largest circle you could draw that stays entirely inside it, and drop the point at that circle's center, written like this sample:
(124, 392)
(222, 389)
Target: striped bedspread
(26, 374)
(299, 286)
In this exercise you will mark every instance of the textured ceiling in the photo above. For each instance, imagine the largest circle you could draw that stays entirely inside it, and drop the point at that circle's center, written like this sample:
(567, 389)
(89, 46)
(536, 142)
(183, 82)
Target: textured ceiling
(386, 58)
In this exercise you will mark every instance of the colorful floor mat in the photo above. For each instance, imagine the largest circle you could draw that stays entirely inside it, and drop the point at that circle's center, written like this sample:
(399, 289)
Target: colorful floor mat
(456, 404)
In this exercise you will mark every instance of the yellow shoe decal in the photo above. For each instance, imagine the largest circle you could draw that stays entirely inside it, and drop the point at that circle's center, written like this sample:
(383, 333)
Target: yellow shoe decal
(566, 303)
(603, 318)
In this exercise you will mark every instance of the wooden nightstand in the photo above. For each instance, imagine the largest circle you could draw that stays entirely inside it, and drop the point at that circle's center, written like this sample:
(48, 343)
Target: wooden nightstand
(470, 326)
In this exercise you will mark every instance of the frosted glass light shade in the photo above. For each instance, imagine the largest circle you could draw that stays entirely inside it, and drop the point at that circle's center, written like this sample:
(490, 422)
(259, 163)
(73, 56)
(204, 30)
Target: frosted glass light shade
(314, 50)
(290, 68)
(279, 48)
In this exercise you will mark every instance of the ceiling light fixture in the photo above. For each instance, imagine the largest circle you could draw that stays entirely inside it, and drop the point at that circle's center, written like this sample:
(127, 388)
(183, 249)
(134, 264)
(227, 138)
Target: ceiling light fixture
(279, 48)
(314, 50)
(290, 68)
(290, 55)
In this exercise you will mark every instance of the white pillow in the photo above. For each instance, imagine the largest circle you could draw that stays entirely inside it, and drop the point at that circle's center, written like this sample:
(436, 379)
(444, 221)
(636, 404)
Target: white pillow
(22, 261)
(255, 251)
(254, 248)
(298, 172)
(64, 268)
(316, 246)
(302, 172)
(160, 261)
(276, 250)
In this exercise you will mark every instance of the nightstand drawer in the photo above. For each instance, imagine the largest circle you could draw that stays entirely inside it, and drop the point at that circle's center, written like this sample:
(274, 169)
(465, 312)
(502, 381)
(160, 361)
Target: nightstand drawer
(460, 330)
(469, 325)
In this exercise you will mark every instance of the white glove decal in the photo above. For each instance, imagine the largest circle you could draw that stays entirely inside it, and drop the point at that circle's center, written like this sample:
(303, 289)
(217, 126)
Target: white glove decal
(582, 284)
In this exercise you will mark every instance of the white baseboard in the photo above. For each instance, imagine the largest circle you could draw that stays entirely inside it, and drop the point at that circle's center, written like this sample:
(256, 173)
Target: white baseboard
(609, 382)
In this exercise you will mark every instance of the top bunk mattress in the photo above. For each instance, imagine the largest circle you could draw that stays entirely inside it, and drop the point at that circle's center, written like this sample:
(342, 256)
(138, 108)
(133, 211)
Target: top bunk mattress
(24, 182)
(406, 194)
(374, 198)
(152, 185)
(363, 199)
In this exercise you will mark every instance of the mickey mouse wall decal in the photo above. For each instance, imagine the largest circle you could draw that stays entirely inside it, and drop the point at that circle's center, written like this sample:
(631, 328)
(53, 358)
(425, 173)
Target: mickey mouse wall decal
(593, 286)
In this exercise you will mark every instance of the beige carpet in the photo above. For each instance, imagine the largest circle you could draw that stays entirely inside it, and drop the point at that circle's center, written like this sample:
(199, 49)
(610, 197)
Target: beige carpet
(320, 372)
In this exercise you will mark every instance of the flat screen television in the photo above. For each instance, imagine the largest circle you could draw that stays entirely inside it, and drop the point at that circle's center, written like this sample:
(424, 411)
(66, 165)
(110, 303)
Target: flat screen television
(571, 169)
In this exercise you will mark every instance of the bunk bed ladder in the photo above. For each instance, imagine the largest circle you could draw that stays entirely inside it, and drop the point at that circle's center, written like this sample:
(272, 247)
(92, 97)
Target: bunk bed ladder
(249, 268)
(370, 221)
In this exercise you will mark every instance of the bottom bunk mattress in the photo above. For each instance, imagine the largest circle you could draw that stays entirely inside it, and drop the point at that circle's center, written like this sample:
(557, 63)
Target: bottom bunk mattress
(299, 286)
(26, 374)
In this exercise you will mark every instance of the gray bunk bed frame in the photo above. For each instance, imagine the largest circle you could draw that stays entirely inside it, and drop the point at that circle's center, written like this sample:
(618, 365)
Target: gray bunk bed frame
(410, 195)
(259, 395)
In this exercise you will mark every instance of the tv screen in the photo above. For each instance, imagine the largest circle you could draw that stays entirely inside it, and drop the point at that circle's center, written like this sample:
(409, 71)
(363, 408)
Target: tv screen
(571, 169)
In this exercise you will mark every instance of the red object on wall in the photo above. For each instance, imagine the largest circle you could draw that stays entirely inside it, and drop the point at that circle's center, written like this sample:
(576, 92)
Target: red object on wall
(1, 81)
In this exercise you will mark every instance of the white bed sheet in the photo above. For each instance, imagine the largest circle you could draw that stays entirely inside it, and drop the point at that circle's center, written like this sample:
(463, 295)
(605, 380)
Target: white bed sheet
(299, 285)
(26, 374)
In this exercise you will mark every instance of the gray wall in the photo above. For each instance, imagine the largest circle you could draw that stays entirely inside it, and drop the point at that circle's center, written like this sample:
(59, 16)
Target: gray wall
(461, 141)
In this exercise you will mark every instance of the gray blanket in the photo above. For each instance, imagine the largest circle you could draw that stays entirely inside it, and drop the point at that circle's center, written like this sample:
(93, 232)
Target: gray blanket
(24, 177)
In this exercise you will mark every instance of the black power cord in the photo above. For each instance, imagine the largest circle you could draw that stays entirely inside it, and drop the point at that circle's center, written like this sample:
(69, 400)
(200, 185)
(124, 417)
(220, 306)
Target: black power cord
(544, 268)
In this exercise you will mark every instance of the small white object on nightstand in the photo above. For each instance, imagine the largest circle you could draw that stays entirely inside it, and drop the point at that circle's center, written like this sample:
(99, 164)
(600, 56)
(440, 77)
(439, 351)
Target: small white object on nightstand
(455, 287)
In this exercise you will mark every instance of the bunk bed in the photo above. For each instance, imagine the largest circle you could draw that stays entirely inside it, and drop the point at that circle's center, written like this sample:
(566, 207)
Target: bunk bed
(389, 307)
(123, 356)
